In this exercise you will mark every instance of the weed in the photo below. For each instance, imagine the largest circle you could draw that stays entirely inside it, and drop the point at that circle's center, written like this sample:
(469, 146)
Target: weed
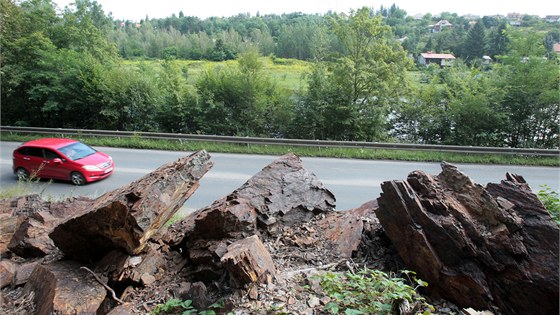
(369, 291)
(551, 202)
(176, 306)
(349, 153)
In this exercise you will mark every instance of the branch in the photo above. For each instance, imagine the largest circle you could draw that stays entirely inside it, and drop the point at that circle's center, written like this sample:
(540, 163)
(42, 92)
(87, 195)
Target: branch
(103, 284)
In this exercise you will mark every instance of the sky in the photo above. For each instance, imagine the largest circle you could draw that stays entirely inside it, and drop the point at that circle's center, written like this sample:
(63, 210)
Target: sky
(135, 10)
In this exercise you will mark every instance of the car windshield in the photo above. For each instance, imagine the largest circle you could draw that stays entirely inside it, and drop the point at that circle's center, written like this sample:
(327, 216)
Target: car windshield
(77, 150)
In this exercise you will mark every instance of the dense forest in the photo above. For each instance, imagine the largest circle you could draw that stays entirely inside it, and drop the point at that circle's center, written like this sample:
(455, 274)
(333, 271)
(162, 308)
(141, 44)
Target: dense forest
(76, 68)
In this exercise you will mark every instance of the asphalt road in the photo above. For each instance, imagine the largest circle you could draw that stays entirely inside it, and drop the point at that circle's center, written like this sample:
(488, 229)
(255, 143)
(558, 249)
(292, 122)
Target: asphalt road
(353, 182)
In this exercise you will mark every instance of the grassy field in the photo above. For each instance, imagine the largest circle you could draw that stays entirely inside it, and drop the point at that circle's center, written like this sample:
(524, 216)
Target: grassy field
(287, 73)
(358, 153)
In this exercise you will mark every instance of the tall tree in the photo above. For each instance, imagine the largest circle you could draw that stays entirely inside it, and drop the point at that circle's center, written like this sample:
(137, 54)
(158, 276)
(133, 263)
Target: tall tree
(530, 84)
(475, 42)
(365, 78)
(498, 41)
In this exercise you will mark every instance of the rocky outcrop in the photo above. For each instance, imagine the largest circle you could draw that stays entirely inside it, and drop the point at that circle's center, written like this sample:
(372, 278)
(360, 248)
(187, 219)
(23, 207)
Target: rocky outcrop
(127, 217)
(478, 247)
(281, 194)
(258, 248)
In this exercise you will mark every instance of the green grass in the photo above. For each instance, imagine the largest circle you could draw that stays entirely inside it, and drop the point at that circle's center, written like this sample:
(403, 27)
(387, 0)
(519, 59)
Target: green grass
(357, 153)
(286, 73)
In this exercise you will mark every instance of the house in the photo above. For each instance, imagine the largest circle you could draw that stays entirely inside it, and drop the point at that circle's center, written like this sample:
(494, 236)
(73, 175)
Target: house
(514, 16)
(556, 48)
(552, 18)
(440, 26)
(440, 59)
(486, 60)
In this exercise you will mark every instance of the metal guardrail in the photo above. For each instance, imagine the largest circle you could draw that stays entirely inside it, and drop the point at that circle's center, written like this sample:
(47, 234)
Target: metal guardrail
(288, 142)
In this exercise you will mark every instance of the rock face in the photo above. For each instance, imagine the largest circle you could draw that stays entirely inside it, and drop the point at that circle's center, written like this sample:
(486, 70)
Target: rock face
(62, 288)
(127, 217)
(281, 194)
(478, 247)
(248, 261)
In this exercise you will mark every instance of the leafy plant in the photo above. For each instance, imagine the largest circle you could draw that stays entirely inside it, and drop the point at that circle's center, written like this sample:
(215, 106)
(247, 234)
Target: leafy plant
(368, 291)
(176, 306)
(551, 201)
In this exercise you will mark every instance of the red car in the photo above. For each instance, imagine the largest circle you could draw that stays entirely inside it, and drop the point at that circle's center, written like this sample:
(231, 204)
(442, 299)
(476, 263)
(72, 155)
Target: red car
(64, 159)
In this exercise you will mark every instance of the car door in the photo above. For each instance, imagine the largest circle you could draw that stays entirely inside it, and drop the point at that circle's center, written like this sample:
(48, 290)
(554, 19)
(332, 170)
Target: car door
(53, 165)
(33, 161)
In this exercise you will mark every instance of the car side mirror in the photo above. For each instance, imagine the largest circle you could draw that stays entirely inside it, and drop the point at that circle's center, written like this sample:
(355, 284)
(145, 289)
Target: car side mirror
(57, 161)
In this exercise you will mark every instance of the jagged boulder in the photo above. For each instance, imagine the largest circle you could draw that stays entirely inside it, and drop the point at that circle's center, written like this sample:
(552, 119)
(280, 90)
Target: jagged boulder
(26, 221)
(127, 217)
(281, 194)
(478, 247)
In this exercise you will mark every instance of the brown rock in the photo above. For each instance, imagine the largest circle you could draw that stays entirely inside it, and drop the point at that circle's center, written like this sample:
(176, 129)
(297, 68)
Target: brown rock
(248, 261)
(7, 272)
(62, 288)
(344, 228)
(24, 271)
(35, 219)
(282, 192)
(127, 217)
(8, 224)
(471, 247)
(124, 309)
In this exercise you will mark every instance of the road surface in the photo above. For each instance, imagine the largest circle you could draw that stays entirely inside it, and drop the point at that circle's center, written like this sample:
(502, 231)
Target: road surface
(353, 182)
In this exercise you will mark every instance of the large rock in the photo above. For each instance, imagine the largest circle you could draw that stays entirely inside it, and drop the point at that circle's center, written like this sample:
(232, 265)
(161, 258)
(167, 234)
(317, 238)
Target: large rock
(281, 194)
(248, 261)
(127, 217)
(344, 229)
(63, 288)
(480, 248)
(25, 222)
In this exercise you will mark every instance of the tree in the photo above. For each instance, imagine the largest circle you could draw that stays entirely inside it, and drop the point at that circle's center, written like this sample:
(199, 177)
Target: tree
(368, 75)
(498, 40)
(530, 85)
(475, 42)
(236, 100)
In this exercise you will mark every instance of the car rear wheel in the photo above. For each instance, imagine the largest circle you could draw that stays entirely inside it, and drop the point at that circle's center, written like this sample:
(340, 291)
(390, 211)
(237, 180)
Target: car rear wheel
(77, 178)
(22, 174)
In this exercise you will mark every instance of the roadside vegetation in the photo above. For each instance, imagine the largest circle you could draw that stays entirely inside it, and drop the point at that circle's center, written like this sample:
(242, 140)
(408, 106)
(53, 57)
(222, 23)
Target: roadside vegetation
(340, 76)
(357, 153)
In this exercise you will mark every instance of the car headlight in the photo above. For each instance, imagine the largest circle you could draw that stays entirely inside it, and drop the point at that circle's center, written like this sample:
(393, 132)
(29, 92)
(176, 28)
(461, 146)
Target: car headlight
(91, 168)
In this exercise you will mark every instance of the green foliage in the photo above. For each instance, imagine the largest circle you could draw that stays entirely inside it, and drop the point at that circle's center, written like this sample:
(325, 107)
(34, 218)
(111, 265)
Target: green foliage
(368, 291)
(551, 201)
(64, 70)
(176, 306)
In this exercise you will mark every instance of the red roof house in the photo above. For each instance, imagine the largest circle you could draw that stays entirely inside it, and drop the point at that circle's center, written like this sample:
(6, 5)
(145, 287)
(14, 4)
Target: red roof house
(440, 59)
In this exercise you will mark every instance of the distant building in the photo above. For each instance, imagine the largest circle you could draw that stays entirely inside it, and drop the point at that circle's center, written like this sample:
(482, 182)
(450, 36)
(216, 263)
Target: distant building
(486, 60)
(440, 26)
(514, 16)
(552, 18)
(556, 48)
(440, 59)
(471, 17)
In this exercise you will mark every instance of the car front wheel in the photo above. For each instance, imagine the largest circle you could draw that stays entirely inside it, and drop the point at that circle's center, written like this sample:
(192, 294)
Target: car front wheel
(77, 178)
(22, 174)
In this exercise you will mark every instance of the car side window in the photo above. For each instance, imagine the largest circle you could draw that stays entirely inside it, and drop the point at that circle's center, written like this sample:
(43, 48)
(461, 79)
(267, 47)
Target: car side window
(51, 155)
(37, 152)
(22, 151)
